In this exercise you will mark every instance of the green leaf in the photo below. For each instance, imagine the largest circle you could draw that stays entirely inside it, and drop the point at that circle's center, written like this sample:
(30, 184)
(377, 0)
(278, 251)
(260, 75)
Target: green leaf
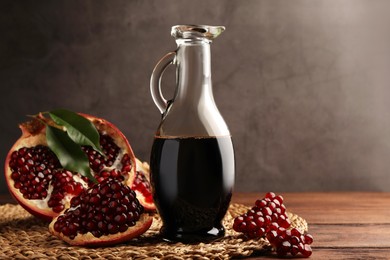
(68, 152)
(80, 130)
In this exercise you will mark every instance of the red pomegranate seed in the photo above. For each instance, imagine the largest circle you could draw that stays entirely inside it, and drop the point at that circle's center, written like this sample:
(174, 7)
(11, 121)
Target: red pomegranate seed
(308, 239)
(112, 228)
(307, 251)
(270, 195)
(58, 208)
(121, 218)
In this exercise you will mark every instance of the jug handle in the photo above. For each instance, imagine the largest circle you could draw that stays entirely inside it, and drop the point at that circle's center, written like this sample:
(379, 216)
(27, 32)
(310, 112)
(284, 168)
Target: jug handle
(155, 81)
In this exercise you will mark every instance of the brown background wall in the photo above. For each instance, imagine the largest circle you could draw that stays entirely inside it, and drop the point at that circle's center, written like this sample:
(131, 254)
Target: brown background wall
(303, 85)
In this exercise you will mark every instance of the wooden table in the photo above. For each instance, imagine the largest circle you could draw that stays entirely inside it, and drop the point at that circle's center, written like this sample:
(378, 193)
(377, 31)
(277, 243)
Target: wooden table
(344, 225)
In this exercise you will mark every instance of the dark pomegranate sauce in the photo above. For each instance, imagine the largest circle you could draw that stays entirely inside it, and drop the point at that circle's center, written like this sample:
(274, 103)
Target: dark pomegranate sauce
(192, 180)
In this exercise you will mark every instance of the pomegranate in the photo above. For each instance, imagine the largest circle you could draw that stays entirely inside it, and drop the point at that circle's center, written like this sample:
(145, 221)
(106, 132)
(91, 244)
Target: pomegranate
(140, 183)
(37, 180)
(105, 214)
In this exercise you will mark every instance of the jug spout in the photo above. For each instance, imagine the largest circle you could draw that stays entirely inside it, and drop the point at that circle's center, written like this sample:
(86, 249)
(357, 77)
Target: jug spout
(194, 32)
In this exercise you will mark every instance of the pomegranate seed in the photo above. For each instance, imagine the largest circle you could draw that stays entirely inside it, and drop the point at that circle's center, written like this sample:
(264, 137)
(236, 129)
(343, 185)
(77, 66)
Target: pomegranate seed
(95, 199)
(98, 217)
(122, 228)
(69, 188)
(112, 228)
(105, 174)
(270, 195)
(308, 239)
(102, 226)
(117, 195)
(113, 204)
(57, 226)
(96, 233)
(280, 199)
(115, 187)
(105, 210)
(121, 209)
(294, 240)
(91, 226)
(114, 173)
(15, 175)
(120, 219)
(294, 250)
(307, 251)
(58, 208)
(35, 196)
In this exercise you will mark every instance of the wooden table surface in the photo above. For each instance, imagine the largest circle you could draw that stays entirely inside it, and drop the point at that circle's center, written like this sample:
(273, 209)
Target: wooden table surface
(351, 225)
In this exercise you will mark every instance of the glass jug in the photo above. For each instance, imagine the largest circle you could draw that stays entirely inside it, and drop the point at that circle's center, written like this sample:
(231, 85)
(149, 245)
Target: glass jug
(192, 160)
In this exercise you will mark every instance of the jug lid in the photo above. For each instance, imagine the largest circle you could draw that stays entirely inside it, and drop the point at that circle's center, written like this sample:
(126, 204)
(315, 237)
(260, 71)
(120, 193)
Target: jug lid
(196, 31)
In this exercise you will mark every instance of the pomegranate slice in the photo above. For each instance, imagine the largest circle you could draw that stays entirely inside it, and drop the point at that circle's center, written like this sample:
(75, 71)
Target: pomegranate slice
(140, 183)
(105, 214)
(36, 179)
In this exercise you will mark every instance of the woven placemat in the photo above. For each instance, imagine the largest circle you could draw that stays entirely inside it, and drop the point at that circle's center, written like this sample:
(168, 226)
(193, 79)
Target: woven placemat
(25, 237)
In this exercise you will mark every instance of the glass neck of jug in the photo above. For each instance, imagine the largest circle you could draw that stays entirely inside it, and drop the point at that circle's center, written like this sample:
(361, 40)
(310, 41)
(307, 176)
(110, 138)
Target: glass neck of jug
(193, 63)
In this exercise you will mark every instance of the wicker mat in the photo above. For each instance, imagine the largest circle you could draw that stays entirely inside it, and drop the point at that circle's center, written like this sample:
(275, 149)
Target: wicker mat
(25, 237)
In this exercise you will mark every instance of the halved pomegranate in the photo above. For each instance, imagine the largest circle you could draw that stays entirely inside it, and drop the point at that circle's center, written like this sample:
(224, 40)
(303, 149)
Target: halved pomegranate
(140, 183)
(36, 179)
(107, 213)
